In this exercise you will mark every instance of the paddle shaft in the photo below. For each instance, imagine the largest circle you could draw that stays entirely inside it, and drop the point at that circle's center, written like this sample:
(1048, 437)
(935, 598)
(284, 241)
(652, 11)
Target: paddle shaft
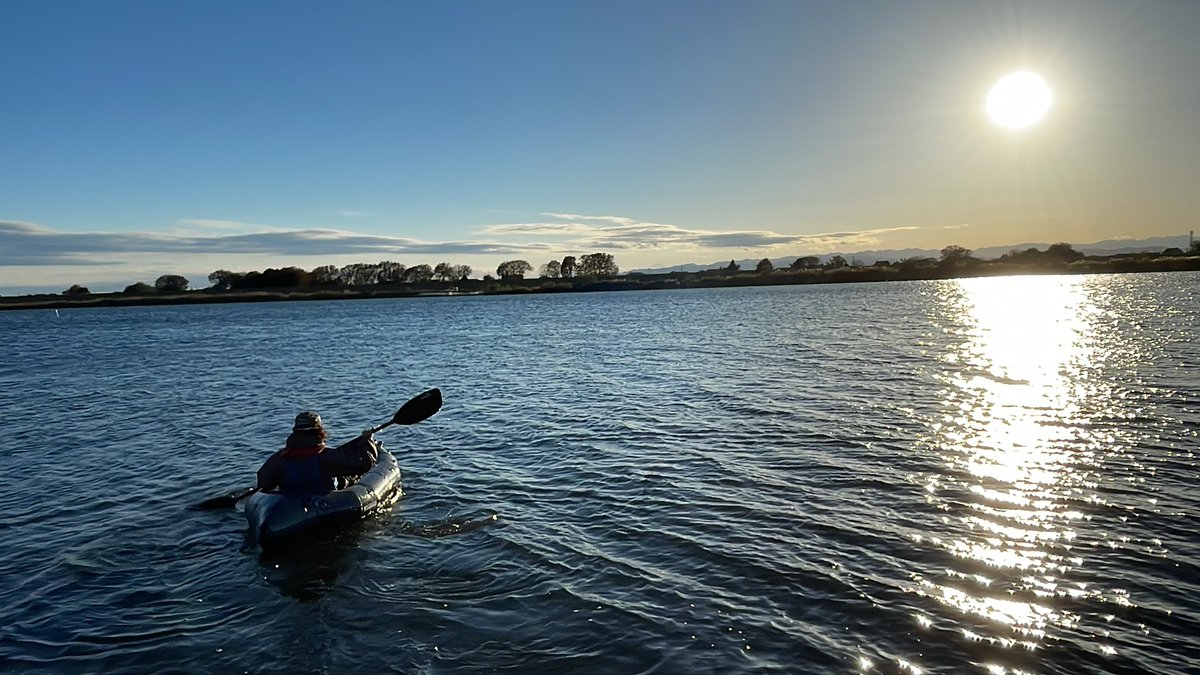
(383, 426)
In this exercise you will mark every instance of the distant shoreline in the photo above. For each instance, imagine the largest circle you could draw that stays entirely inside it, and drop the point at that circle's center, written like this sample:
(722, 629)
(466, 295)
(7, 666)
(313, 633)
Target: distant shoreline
(717, 278)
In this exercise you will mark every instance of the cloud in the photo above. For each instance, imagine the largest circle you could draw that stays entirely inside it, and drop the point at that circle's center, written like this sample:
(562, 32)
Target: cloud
(222, 225)
(622, 233)
(351, 214)
(29, 244)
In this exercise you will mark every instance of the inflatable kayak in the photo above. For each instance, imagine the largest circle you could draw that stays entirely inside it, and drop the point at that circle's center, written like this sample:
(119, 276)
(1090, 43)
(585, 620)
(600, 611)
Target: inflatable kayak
(276, 518)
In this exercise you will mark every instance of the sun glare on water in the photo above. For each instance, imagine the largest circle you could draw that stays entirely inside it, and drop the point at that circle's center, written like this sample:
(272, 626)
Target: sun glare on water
(1018, 100)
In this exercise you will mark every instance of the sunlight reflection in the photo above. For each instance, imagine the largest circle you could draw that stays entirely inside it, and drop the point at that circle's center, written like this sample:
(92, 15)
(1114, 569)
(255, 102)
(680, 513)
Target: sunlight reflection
(1014, 440)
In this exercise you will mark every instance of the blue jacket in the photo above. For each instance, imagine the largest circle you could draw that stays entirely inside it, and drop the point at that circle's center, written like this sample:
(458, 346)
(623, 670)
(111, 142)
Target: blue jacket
(306, 466)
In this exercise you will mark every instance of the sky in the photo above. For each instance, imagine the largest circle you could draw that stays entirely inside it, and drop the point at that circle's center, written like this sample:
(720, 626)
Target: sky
(147, 138)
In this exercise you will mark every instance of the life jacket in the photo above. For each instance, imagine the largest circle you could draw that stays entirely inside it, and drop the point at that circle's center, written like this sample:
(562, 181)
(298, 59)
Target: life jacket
(302, 471)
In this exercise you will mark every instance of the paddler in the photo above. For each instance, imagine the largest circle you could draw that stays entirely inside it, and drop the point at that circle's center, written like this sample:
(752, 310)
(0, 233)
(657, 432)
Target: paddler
(306, 466)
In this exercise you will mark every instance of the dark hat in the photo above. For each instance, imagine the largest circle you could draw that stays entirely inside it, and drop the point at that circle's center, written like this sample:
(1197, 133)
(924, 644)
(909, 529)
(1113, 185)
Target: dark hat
(307, 421)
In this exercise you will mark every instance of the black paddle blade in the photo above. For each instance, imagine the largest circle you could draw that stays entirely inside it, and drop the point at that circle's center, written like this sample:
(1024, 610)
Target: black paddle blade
(420, 407)
(224, 501)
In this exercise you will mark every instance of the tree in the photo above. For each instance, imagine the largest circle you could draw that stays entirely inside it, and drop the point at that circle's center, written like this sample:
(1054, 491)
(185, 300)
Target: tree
(171, 283)
(805, 262)
(567, 268)
(953, 253)
(288, 277)
(324, 275)
(837, 262)
(1029, 255)
(1194, 249)
(443, 272)
(597, 265)
(138, 289)
(356, 274)
(222, 280)
(732, 266)
(917, 262)
(418, 274)
(764, 266)
(1064, 252)
(461, 272)
(552, 269)
(76, 290)
(513, 269)
(390, 272)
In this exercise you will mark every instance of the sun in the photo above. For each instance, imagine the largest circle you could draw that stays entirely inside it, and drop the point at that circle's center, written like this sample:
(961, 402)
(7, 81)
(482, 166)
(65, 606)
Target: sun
(1018, 100)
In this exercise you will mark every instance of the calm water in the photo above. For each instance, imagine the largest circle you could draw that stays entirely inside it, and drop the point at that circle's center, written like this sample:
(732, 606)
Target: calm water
(978, 476)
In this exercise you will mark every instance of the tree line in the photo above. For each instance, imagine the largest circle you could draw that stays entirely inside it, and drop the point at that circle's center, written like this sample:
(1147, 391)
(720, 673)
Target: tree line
(597, 265)
(954, 259)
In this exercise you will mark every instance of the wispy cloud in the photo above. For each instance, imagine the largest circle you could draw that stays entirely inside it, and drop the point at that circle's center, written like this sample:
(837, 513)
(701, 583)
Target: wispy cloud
(31, 244)
(623, 233)
(23, 243)
(222, 225)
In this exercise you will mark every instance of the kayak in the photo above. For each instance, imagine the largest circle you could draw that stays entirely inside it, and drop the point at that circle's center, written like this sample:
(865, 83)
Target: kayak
(275, 518)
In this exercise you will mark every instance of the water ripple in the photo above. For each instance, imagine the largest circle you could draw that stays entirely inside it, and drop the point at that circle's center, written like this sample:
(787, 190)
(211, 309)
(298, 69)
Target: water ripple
(990, 475)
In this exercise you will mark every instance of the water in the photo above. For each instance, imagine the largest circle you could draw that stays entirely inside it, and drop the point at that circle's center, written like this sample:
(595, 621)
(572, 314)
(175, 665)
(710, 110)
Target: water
(986, 475)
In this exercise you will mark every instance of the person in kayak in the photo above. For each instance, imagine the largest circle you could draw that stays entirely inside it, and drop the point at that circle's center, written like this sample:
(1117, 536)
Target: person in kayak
(306, 466)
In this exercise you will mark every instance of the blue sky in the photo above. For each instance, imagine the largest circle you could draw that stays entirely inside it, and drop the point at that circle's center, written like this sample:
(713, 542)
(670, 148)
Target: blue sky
(144, 138)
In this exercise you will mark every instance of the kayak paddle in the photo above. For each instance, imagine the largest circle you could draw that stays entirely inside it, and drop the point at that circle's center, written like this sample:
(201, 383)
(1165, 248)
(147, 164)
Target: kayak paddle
(418, 409)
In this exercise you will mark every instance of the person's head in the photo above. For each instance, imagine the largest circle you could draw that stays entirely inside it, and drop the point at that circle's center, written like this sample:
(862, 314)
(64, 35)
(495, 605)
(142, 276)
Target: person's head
(309, 423)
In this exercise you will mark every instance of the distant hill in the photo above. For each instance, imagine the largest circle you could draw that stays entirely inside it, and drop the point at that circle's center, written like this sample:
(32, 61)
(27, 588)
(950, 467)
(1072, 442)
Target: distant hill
(1106, 247)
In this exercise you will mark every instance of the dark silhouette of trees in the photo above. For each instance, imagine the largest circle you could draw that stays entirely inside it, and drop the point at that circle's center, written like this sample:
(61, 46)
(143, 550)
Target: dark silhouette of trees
(513, 269)
(954, 253)
(597, 265)
(325, 275)
(447, 272)
(598, 271)
(1064, 252)
(390, 272)
(1059, 253)
(171, 283)
(138, 288)
(956, 256)
(418, 274)
(917, 263)
(567, 268)
(222, 280)
(552, 269)
(1028, 256)
(357, 274)
(287, 277)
